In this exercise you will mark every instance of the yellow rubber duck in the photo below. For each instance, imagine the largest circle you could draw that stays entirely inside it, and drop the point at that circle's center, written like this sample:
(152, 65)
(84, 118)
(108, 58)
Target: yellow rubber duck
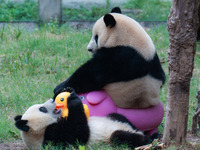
(61, 102)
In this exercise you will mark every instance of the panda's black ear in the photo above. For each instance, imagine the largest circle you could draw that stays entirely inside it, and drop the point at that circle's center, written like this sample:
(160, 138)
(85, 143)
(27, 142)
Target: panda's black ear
(18, 117)
(109, 20)
(116, 10)
(21, 124)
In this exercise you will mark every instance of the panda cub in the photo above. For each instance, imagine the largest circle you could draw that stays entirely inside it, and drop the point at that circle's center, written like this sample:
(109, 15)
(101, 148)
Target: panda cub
(124, 64)
(42, 123)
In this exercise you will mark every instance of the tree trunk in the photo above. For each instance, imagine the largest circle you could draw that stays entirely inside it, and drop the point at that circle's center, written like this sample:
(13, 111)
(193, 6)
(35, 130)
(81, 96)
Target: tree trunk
(182, 27)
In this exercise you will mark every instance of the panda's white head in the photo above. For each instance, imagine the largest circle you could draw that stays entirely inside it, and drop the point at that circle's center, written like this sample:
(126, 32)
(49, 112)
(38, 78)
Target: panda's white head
(116, 29)
(34, 121)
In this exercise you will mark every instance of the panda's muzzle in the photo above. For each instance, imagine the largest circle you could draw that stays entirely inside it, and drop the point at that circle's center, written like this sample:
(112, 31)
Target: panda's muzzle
(57, 111)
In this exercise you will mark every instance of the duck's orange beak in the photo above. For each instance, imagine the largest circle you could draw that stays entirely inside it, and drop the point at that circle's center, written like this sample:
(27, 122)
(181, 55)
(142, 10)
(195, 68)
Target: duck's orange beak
(59, 105)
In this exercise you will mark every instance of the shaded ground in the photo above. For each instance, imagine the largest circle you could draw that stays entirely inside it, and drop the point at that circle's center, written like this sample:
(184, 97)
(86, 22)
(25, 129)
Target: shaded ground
(194, 140)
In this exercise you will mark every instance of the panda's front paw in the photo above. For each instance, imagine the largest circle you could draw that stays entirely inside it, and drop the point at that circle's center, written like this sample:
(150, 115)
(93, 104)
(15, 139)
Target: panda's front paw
(73, 100)
(61, 86)
(69, 89)
(56, 92)
(58, 89)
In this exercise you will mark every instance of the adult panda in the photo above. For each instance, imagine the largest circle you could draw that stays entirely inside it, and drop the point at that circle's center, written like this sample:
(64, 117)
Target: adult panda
(42, 124)
(125, 64)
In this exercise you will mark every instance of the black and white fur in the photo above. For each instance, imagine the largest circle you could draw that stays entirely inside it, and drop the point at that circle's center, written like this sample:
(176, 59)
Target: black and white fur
(125, 64)
(41, 124)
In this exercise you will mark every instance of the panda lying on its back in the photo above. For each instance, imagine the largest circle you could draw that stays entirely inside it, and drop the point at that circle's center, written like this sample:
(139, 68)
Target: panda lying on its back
(41, 124)
(125, 64)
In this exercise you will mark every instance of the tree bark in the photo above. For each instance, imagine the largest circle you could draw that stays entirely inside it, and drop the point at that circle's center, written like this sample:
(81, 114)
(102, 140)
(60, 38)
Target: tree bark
(182, 28)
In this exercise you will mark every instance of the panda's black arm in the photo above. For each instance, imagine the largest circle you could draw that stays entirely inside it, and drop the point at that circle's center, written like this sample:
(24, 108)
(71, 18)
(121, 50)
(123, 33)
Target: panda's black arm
(107, 65)
(87, 77)
(71, 130)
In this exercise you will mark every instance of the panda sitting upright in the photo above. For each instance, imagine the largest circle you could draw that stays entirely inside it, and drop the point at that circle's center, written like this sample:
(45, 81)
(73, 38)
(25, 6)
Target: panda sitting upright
(125, 64)
(41, 124)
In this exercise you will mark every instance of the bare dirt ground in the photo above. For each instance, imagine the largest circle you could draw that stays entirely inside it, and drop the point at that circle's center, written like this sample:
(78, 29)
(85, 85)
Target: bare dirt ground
(193, 140)
(15, 145)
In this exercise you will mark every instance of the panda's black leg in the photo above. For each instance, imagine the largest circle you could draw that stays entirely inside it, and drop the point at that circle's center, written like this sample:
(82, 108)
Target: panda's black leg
(120, 118)
(131, 139)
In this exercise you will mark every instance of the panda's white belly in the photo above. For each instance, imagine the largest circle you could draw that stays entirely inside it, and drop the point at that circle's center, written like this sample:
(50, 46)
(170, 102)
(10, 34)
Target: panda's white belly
(101, 128)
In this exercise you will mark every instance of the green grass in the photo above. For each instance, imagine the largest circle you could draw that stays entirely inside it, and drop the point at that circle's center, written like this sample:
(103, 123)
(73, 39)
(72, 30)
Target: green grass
(151, 10)
(92, 14)
(101, 146)
(33, 63)
(26, 11)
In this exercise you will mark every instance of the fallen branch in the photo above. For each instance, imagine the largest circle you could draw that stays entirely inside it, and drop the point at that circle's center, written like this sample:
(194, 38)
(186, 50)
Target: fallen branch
(154, 145)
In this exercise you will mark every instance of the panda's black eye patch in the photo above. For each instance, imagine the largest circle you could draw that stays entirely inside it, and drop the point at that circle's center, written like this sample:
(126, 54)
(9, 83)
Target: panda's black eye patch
(43, 109)
(96, 38)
